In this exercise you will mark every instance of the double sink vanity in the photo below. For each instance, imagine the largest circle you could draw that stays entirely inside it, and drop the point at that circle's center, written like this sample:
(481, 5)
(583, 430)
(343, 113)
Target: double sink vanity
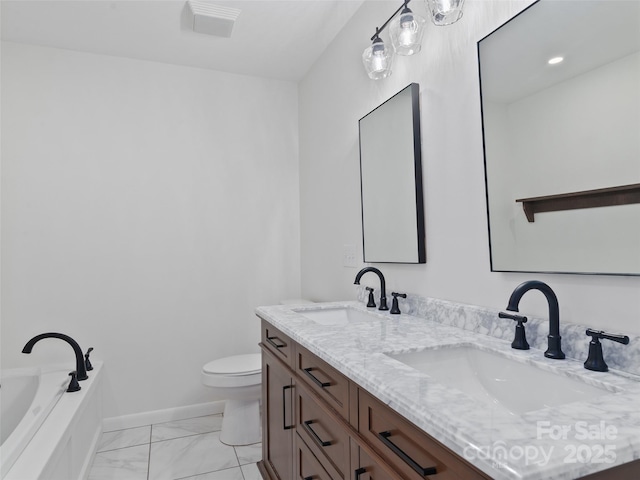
(350, 392)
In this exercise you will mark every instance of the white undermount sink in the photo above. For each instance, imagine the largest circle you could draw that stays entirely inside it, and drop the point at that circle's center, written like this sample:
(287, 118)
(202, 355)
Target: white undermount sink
(335, 316)
(506, 383)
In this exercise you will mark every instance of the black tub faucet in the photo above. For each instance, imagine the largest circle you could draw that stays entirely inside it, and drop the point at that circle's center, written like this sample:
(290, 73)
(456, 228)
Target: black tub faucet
(383, 288)
(80, 366)
(554, 339)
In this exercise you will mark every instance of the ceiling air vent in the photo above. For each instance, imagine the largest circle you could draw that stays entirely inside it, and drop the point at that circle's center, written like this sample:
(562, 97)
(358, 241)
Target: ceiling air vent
(212, 19)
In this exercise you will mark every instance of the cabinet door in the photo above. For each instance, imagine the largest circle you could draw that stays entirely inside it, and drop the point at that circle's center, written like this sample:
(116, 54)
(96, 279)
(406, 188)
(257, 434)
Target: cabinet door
(277, 418)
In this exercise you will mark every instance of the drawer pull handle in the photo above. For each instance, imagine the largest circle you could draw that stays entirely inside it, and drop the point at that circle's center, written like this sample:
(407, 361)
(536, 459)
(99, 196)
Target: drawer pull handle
(315, 379)
(359, 472)
(271, 341)
(284, 408)
(310, 477)
(319, 441)
(424, 471)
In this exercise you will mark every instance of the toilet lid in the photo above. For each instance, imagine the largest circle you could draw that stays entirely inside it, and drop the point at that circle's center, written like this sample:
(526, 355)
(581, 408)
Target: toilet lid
(237, 365)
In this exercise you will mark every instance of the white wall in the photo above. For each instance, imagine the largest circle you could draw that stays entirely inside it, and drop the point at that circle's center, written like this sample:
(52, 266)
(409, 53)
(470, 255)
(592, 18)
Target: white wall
(147, 209)
(337, 92)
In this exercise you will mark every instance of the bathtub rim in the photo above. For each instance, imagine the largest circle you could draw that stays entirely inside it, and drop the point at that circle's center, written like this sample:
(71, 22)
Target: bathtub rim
(46, 450)
(52, 383)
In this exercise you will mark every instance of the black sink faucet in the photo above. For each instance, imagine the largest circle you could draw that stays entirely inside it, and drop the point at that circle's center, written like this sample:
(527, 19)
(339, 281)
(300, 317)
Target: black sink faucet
(554, 339)
(80, 366)
(595, 361)
(383, 288)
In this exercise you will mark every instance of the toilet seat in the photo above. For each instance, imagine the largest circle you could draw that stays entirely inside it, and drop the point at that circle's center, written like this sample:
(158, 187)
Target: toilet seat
(233, 371)
(235, 365)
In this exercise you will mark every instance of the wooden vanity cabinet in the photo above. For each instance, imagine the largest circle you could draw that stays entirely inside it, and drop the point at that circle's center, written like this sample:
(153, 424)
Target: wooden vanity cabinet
(278, 419)
(324, 380)
(307, 466)
(367, 465)
(314, 423)
(317, 424)
(411, 452)
(324, 432)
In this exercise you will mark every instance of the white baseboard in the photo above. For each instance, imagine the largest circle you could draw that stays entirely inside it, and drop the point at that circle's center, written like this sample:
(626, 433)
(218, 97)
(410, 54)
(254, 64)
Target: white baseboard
(161, 416)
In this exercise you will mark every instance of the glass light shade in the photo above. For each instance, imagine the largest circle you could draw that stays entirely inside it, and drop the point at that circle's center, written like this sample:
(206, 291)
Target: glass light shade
(377, 60)
(445, 12)
(406, 32)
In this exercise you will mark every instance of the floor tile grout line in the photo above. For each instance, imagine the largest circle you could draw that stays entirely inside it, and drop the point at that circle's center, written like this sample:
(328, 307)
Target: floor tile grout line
(161, 423)
(183, 436)
(122, 448)
(235, 451)
(149, 443)
(206, 473)
(149, 453)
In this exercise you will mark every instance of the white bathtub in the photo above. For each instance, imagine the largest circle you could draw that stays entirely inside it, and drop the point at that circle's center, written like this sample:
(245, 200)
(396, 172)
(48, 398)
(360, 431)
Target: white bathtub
(47, 433)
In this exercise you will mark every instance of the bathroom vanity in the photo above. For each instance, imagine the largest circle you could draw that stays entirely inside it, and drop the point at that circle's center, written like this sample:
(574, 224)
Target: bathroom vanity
(342, 400)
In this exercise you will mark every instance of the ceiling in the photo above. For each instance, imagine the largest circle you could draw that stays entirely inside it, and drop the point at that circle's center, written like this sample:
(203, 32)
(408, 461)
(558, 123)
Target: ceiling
(513, 59)
(278, 39)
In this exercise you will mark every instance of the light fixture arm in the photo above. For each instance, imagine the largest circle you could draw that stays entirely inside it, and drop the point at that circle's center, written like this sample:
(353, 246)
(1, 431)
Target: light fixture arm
(384, 25)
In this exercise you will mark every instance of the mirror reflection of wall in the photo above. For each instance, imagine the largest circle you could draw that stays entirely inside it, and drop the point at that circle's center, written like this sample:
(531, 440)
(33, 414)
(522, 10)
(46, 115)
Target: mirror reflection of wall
(391, 181)
(560, 128)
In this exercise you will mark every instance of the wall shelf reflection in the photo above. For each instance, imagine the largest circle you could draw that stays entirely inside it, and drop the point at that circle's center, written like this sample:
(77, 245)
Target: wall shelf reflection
(601, 197)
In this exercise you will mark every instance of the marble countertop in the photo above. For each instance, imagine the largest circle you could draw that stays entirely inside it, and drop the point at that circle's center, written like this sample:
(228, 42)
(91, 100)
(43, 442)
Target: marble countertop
(562, 442)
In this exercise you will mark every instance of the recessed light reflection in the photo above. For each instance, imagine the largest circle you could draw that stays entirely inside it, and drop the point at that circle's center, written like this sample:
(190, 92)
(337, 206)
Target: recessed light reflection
(555, 60)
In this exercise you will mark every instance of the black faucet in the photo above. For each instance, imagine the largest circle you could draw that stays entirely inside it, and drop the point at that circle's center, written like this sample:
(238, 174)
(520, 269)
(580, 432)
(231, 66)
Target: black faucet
(80, 366)
(520, 338)
(595, 360)
(370, 302)
(554, 339)
(395, 308)
(383, 288)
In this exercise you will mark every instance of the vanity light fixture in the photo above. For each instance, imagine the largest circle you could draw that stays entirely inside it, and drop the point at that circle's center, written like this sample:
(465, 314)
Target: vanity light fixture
(555, 60)
(377, 58)
(406, 32)
(445, 12)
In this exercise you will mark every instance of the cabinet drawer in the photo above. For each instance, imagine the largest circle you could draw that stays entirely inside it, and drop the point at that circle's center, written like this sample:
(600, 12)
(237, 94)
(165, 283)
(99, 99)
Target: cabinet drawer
(322, 431)
(277, 343)
(408, 449)
(326, 381)
(307, 465)
(369, 469)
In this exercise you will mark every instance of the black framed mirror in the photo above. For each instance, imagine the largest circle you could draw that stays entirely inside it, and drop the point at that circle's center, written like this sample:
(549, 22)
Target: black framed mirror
(391, 181)
(560, 90)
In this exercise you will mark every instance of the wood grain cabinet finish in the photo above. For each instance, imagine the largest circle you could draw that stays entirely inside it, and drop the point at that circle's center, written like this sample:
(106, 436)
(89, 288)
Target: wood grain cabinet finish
(412, 453)
(324, 380)
(277, 343)
(369, 469)
(324, 433)
(307, 466)
(317, 424)
(278, 418)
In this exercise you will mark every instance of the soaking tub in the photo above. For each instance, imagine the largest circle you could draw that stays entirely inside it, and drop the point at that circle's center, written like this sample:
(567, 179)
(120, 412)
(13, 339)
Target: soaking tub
(47, 433)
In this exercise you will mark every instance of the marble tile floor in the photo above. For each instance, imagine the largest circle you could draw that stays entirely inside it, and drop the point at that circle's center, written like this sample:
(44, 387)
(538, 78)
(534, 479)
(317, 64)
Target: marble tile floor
(181, 450)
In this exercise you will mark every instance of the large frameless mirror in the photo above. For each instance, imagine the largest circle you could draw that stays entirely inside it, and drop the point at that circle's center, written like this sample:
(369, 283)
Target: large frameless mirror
(391, 181)
(560, 87)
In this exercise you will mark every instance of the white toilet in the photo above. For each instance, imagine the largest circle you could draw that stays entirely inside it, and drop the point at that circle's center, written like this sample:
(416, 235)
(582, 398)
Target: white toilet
(237, 379)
